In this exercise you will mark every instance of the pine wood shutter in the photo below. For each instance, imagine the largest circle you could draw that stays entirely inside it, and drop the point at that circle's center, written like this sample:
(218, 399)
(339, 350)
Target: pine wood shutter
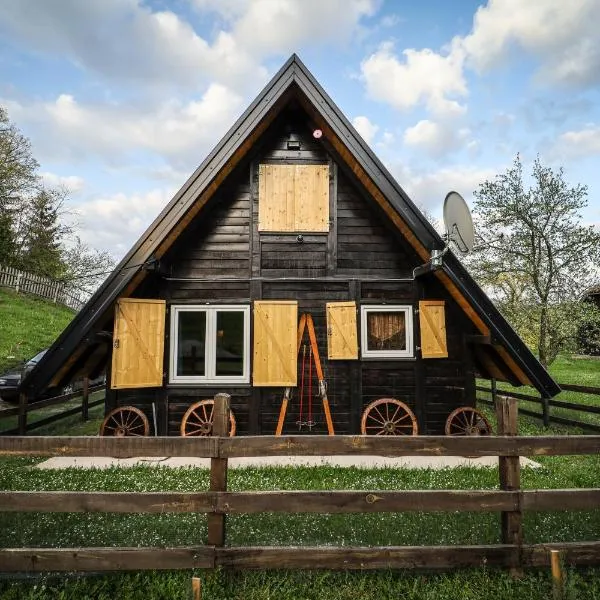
(293, 198)
(275, 350)
(432, 320)
(138, 343)
(342, 340)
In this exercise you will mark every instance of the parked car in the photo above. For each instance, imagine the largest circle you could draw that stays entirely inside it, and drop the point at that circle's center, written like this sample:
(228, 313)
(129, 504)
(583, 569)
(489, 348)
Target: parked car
(11, 380)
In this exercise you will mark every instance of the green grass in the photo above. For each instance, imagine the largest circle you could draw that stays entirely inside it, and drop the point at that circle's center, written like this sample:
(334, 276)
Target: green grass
(52, 529)
(73, 424)
(28, 325)
(478, 584)
(568, 369)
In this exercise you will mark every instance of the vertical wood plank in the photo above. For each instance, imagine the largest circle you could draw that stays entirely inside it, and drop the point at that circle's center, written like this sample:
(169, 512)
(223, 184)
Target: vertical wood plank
(85, 399)
(23, 406)
(254, 421)
(507, 413)
(558, 584)
(420, 396)
(356, 399)
(332, 235)
(218, 469)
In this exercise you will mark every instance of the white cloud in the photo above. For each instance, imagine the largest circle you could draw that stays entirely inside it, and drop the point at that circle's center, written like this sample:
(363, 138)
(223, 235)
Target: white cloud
(73, 183)
(428, 189)
(281, 26)
(562, 35)
(436, 138)
(420, 76)
(101, 223)
(366, 129)
(581, 143)
(126, 41)
(174, 130)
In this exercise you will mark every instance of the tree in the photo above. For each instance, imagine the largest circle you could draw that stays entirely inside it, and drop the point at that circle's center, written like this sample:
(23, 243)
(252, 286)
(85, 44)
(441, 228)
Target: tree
(42, 245)
(86, 268)
(534, 255)
(18, 179)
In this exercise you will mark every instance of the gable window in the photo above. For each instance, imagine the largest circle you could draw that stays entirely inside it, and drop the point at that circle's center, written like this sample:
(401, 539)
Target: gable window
(210, 344)
(387, 331)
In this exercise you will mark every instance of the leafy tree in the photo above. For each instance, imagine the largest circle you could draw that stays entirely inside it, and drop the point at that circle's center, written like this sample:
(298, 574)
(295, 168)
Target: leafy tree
(17, 181)
(534, 255)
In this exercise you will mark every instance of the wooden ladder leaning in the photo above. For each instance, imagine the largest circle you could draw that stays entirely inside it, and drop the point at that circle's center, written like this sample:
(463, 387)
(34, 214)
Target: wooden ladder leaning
(306, 322)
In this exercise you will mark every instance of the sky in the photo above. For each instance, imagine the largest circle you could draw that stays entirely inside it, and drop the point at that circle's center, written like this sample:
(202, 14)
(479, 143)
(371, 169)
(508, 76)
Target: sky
(123, 99)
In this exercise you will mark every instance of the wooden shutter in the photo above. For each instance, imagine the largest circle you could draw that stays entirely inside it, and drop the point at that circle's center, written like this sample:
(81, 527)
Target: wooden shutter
(138, 343)
(342, 341)
(432, 320)
(275, 350)
(293, 198)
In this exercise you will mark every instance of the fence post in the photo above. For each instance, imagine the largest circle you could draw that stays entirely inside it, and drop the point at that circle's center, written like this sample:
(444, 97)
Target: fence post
(507, 413)
(218, 469)
(23, 413)
(19, 275)
(546, 410)
(85, 399)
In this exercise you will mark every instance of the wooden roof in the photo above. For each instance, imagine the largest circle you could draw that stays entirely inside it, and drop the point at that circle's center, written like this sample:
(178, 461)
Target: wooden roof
(510, 358)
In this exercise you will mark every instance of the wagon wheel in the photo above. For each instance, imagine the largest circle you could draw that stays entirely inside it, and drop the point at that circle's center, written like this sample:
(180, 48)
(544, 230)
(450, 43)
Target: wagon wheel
(125, 421)
(467, 421)
(388, 416)
(198, 419)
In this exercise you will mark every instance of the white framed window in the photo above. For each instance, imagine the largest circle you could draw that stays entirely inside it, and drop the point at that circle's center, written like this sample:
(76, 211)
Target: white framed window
(386, 331)
(210, 344)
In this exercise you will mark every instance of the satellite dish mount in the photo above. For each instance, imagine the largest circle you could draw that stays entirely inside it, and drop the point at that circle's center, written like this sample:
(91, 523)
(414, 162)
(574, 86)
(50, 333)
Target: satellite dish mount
(459, 232)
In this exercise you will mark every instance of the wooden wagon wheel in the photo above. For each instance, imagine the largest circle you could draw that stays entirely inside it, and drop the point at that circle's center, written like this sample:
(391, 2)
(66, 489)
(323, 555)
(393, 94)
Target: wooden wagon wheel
(388, 416)
(198, 419)
(125, 421)
(467, 421)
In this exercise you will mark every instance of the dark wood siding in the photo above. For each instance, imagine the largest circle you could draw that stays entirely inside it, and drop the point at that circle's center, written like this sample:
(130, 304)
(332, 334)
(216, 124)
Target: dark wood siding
(366, 245)
(222, 258)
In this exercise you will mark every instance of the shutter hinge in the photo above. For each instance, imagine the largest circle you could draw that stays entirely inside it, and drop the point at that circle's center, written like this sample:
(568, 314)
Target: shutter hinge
(116, 344)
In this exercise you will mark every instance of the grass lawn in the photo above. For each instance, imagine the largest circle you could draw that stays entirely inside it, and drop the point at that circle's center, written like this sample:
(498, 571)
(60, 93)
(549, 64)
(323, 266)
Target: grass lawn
(569, 369)
(66, 530)
(28, 325)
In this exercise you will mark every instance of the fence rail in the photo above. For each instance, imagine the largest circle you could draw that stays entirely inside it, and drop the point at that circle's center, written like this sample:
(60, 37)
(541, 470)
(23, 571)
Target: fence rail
(44, 287)
(510, 500)
(24, 408)
(547, 403)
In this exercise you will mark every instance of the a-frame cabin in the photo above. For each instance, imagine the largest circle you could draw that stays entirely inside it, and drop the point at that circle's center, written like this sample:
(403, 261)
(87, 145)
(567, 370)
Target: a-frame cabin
(291, 213)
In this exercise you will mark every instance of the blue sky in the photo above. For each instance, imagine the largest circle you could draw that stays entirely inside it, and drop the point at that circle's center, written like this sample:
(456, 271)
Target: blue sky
(122, 99)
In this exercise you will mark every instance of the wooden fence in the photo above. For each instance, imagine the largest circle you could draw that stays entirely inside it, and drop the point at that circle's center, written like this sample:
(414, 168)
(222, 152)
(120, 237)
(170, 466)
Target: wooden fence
(24, 408)
(547, 403)
(510, 500)
(44, 287)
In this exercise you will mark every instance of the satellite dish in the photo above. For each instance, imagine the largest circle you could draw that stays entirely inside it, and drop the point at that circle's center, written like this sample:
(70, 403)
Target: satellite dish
(458, 222)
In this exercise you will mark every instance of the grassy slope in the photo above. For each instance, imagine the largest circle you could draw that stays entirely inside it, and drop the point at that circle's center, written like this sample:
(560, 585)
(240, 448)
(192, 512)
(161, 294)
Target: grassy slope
(28, 325)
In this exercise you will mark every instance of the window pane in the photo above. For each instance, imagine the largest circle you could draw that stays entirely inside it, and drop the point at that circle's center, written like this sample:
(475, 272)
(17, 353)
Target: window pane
(191, 339)
(230, 343)
(386, 330)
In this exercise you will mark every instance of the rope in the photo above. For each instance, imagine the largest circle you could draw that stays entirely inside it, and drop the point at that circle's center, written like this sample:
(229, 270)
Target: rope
(300, 422)
(310, 396)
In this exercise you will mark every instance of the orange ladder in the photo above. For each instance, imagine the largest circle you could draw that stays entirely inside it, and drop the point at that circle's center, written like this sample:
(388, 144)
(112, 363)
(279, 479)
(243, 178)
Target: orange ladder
(306, 322)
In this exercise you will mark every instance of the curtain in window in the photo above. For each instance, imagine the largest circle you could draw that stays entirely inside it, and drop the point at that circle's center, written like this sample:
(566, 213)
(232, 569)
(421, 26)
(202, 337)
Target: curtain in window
(386, 330)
